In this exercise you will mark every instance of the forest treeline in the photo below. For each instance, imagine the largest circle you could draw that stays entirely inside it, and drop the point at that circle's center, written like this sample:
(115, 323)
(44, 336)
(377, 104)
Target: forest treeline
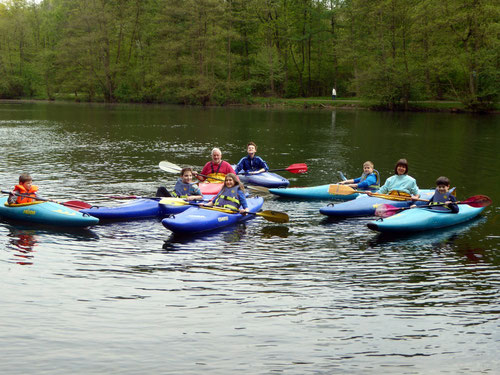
(228, 51)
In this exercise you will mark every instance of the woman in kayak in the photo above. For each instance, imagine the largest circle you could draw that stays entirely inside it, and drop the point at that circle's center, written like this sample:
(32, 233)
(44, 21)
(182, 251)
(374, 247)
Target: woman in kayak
(26, 188)
(251, 164)
(231, 196)
(400, 184)
(216, 168)
(184, 187)
(370, 179)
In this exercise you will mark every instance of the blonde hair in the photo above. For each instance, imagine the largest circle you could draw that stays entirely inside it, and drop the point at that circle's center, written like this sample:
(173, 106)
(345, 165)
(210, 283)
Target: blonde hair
(368, 162)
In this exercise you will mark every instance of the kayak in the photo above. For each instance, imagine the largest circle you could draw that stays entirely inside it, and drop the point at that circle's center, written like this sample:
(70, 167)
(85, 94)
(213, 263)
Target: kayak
(48, 213)
(313, 192)
(197, 219)
(137, 209)
(266, 179)
(421, 219)
(210, 188)
(364, 205)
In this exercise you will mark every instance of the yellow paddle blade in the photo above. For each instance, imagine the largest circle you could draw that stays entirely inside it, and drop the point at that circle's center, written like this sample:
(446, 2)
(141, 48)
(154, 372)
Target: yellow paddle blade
(274, 216)
(336, 189)
(174, 201)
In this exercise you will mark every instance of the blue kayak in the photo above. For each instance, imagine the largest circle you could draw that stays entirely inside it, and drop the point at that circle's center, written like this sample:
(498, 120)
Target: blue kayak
(364, 205)
(197, 219)
(47, 213)
(421, 219)
(313, 192)
(136, 209)
(266, 179)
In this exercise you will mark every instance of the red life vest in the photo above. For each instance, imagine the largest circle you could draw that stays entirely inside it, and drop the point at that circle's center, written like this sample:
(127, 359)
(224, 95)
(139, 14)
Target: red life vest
(22, 190)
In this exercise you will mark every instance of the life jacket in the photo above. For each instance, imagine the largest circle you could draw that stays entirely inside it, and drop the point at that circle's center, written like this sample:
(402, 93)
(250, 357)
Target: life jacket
(439, 198)
(181, 190)
(216, 175)
(228, 198)
(374, 186)
(22, 190)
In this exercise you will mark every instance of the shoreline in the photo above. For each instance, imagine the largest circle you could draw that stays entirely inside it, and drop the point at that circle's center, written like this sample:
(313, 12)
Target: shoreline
(299, 103)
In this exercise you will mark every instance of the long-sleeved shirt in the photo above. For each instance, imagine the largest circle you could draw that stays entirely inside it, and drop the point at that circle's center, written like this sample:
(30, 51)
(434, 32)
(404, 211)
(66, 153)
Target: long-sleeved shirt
(402, 183)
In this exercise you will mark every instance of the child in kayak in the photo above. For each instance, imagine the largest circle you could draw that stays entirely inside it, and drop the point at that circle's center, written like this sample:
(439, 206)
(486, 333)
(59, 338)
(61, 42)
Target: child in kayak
(231, 196)
(251, 164)
(184, 187)
(400, 184)
(24, 187)
(442, 195)
(370, 179)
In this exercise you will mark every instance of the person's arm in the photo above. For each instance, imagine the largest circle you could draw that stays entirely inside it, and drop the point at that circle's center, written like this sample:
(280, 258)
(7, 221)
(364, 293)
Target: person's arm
(453, 206)
(204, 171)
(240, 166)
(370, 180)
(414, 190)
(243, 202)
(194, 193)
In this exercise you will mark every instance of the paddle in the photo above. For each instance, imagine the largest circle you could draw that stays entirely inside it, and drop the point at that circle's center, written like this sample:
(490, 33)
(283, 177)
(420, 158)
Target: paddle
(336, 189)
(342, 177)
(386, 210)
(294, 168)
(78, 205)
(173, 168)
(274, 216)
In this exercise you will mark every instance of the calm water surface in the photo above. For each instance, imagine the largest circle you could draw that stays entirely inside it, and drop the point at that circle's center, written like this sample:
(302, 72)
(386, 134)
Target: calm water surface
(309, 297)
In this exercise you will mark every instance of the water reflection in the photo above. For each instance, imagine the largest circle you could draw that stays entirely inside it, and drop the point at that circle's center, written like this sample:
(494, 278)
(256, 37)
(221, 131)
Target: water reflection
(23, 242)
(281, 231)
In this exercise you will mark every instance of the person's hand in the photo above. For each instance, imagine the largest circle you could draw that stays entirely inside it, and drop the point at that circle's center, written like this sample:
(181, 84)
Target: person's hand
(413, 206)
(370, 193)
(243, 211)
(415, 197)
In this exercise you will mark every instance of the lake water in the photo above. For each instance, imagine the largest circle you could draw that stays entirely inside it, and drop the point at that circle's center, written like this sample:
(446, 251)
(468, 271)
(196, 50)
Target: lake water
(312, 296)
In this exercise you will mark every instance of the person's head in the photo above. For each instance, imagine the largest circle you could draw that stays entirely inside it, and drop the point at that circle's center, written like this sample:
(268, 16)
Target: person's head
(368, 167)
(401, 167)
(25, 180)
(443, 184)
(187, 175)
(216, 155)
(251, 149)
(232, 180)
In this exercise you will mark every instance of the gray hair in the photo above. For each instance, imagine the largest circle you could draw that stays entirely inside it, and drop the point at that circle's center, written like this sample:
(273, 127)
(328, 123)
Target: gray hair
(215, 149)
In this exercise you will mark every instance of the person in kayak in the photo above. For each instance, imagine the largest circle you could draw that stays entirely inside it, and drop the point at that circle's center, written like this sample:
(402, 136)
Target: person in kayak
(24, 187)
(370, 179)
(216, 168)
(184, 187)
(443, 195)
(251, 164)
(231, 196)
(401, 183)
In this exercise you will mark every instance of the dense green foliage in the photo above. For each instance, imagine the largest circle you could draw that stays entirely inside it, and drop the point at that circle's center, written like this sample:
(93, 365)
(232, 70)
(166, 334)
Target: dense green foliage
(227, 51)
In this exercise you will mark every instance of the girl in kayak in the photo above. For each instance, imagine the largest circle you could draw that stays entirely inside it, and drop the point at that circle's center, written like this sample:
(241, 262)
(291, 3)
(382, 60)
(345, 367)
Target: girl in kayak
(251, 164)
(184, 187)
(231, 196)
(400, 184)
(370, 179)
(442, 195)
(24, 187)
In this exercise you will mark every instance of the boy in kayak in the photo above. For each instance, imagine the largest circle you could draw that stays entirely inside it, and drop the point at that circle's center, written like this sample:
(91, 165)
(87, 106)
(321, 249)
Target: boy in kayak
(370, 179)
(251, 164)
(442, 195)
(24, 187)
(184, 187)
(231, 196)
(400, 184)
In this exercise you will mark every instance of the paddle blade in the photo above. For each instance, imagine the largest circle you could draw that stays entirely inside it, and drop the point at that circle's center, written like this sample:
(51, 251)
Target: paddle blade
(274, 216)
(174, 201)
(169, 167)
(297, 168)
(76, 205)
(386, 210)
(260, 189)
(478, 201)
(336, 189)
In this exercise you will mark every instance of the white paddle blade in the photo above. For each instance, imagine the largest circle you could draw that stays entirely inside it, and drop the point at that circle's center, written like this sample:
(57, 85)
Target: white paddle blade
(169, 167)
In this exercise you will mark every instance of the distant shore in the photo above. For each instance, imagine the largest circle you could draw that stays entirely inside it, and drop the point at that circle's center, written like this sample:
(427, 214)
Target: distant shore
(318, 103)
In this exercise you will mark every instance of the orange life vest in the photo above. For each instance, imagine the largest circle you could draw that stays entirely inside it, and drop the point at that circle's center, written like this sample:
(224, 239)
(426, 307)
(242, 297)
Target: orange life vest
(22, 190)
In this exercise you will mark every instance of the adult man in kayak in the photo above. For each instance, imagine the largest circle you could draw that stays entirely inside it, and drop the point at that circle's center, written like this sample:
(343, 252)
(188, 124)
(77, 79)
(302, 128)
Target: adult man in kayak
(401, 184)
(251, 164)
(216, 168)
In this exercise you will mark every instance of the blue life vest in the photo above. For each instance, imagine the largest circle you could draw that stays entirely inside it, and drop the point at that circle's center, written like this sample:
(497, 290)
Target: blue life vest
(228, 198)
(375, 186)
(181, 189)
(439, 198)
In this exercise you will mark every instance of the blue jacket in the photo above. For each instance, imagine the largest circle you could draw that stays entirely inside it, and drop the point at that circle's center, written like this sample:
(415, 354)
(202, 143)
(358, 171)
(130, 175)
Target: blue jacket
(249, 165)
(367, 182)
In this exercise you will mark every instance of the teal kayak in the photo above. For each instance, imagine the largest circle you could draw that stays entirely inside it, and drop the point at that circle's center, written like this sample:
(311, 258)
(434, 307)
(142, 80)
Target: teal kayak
(423, 218)
(312, 192)
(47, 213)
